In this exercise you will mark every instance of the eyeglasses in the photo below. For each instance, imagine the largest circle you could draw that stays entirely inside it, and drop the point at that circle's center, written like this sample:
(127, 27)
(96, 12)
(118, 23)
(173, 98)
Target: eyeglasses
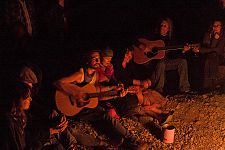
(214, 26)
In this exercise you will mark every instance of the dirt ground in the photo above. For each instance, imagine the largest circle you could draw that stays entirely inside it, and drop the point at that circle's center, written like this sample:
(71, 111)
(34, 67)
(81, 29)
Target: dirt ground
(199, 122)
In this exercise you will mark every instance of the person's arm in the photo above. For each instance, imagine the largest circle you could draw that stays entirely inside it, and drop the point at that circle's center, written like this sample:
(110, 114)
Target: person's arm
(219, 47)
(64, 84)
(123, 75)
(121, 93)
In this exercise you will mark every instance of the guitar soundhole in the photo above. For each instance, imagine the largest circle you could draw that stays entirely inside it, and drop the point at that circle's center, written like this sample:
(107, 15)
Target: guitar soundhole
(85, 101)
(154, 51)
(86, 96)
(151, 54)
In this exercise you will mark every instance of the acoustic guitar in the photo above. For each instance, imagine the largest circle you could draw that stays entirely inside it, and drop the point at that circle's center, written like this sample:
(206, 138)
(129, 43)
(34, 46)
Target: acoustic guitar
(153, 50)
(70, 105)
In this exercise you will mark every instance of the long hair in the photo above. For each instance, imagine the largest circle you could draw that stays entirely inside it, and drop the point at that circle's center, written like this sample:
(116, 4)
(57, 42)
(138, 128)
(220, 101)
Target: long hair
(19, 91)
(211, 27)
(170, 22)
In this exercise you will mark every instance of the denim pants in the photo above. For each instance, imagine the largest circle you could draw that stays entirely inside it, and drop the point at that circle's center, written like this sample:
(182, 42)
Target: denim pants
(111, 124)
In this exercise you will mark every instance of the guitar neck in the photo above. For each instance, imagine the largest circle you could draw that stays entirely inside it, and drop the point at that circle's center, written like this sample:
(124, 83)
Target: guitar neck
(170, 48)
(176, 47)
(103, 94)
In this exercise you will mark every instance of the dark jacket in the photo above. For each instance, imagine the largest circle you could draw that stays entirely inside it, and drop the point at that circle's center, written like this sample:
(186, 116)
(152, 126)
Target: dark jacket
(125, 75)
(12, 135)
(211, 44)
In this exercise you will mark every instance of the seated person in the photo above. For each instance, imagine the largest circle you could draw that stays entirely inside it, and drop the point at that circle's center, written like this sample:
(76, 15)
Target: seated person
(145, 102)
(173, 60)
(213, 50)
(44, 124)
(52, 130)
(107, 78)
(87, 77)
(105, 70)
(13, 121)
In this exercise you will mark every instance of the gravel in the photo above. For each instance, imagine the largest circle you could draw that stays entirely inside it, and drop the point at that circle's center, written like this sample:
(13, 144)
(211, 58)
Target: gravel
(199, 122)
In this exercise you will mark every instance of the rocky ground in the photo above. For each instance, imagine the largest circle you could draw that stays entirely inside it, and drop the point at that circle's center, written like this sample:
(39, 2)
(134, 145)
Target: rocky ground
(199, 121)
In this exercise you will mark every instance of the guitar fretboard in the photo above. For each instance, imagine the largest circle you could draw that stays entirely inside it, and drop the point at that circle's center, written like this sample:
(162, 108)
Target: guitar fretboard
(103, 94)
(169, 48)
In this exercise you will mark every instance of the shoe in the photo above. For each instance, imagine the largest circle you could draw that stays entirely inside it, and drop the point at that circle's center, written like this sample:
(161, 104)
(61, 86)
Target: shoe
(72, 147)
(188, 92)
(116, 142)
(166, 118)
(142, 146)
(135, 145)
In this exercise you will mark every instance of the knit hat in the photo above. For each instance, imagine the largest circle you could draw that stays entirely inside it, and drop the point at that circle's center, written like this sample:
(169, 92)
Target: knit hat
(27, 75)
(107, 53)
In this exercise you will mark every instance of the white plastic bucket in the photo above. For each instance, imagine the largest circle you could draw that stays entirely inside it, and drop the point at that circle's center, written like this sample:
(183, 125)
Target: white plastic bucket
(168, 133)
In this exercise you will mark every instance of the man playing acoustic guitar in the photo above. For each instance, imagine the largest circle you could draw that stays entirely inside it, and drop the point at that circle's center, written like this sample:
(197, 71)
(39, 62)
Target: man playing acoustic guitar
(87, 77)
(173, 61)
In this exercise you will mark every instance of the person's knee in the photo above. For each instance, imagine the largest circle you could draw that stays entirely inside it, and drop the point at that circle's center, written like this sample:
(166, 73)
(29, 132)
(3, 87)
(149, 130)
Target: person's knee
(211, 56)
(183, 63)
(161, 65)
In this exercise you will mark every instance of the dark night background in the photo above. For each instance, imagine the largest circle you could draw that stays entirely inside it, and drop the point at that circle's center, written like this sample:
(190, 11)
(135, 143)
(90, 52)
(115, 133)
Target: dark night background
(118, 22)
(96, 24)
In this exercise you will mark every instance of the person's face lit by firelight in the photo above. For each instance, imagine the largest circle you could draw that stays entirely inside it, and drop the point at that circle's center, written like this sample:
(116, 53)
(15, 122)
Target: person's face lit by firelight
(164, 28)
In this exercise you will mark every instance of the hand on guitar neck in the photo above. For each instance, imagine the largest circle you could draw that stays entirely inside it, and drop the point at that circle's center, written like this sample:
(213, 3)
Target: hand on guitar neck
(149, 50)
(194, 47)
(86, 96)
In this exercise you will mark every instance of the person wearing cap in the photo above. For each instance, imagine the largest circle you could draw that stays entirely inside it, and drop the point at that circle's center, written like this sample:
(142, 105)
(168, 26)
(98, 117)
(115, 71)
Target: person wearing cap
(28, 76)
(106, 70)
(106, 77)
(40, 128)
(88, 76)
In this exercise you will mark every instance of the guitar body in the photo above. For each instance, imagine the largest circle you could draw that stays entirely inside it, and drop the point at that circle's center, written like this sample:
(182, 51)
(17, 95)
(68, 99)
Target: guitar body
(142, 56)
(68, 105)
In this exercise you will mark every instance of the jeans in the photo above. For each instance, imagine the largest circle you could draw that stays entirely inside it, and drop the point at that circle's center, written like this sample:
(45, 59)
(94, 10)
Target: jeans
(164, 65)
(112, 124)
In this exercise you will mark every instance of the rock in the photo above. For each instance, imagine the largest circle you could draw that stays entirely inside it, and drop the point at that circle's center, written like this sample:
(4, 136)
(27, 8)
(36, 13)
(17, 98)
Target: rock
(204, 96)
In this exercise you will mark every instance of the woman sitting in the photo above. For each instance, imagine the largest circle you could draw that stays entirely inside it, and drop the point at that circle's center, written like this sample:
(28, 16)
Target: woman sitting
(13, 118)
(145, 105)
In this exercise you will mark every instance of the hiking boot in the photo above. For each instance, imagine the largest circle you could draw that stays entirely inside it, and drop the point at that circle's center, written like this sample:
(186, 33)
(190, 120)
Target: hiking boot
(132, 144)
(143, 146)
(166, 118)
(116, 142)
